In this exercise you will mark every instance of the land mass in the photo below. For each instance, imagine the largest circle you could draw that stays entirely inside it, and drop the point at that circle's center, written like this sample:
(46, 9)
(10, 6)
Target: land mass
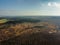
(29, 31)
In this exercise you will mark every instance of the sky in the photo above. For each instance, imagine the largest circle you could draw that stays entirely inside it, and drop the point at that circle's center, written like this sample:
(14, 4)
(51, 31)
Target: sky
(30, 7)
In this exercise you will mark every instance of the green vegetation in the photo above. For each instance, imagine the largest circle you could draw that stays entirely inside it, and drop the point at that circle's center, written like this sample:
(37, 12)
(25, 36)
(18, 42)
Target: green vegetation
(3, 21)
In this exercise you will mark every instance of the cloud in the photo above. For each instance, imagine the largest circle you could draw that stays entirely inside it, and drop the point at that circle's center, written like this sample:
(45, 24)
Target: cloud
(54, 4)
(49, 4)
(57, 5)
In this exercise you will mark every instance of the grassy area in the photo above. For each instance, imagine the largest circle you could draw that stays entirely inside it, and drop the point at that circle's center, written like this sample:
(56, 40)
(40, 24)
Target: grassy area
(3, 21)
